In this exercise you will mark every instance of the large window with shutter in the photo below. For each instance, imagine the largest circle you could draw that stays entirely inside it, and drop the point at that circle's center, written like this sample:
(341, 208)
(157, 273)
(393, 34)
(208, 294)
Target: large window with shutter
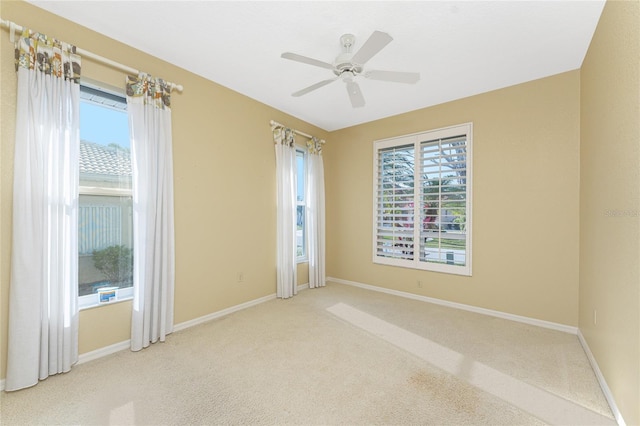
(422, 200)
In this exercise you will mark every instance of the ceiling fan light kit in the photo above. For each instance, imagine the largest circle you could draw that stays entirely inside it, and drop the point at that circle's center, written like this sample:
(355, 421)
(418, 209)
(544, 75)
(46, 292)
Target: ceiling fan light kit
(348, 66)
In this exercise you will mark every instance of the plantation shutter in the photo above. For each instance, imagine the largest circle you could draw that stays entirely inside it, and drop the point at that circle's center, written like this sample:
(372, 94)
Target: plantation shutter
(422, 200)
(443, 183)
(394, 201)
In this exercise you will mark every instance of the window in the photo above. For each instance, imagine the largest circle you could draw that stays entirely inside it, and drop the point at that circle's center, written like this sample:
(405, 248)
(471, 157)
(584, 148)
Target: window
(105, 221)
(422, 200)
(301, 220)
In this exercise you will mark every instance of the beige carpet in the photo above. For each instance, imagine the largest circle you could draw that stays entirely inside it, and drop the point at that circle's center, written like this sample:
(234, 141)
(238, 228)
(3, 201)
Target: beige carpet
(335, 355)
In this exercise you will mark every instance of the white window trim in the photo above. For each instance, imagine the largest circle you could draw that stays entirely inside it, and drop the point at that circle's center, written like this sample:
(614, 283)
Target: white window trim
(415, 139)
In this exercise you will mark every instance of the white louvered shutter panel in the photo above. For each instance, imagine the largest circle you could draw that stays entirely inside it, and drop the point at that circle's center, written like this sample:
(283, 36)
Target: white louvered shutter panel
(443, 183)
(394, 202)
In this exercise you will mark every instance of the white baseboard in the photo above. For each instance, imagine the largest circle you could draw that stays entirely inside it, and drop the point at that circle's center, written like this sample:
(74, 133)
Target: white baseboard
(603, 383)
(107, 350)
(230, 310)
(470, 308)
(218, 314)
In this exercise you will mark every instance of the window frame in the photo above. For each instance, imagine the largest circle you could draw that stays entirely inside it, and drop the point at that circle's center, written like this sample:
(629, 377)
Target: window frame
(92, 300)
(416, 140)
(304, 257)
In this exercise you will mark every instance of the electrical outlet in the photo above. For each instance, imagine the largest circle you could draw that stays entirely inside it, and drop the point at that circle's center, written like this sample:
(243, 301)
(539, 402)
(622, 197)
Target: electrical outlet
(419, 283)
(595, 317)
(240, 277)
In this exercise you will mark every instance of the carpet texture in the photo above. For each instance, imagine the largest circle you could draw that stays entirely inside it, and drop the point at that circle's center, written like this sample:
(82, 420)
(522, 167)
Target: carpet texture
(335, 355)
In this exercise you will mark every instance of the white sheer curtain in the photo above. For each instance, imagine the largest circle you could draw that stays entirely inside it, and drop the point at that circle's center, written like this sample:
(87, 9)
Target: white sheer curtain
(43, 309)
(315, 214)
(286, 269)
(148, 105)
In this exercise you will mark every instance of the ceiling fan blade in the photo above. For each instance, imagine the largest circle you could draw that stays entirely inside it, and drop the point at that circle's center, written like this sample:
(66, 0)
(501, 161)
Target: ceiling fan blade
(313, 87)
(355, 94)
(371, 47)
(306, 60)
(395, 76)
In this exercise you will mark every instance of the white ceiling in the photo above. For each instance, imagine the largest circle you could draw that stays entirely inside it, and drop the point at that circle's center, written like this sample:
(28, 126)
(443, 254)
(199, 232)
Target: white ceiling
(460, 48)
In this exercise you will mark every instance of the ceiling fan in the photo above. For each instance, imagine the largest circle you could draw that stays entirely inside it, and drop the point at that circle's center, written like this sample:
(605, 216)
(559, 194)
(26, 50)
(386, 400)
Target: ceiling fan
(348, 65)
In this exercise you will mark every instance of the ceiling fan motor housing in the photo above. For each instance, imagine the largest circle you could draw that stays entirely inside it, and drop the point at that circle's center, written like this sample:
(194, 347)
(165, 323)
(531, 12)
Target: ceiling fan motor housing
(344, 64)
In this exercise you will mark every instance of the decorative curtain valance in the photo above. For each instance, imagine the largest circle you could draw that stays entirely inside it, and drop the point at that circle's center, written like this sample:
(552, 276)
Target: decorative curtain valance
(284, 136)
(314, 145)
(35, 51)
(149, 91)
(13, 28)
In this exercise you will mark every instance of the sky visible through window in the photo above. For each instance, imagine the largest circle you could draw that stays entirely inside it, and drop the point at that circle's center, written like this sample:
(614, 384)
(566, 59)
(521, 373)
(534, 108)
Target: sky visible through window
(103, 125)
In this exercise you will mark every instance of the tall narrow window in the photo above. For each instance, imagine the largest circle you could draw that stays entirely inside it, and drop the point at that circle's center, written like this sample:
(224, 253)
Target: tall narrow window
(105, 240)
(422, 200)
(301, 200)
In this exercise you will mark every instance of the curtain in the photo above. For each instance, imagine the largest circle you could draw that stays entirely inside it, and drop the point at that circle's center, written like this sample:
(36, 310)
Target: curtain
(286, 270)
(43, 309)
(148, 106)
(315, 214)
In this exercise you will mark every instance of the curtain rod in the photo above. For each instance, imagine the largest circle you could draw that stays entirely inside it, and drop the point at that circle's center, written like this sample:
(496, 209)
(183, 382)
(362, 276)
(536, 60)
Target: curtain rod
(276, 124)
(85, 53)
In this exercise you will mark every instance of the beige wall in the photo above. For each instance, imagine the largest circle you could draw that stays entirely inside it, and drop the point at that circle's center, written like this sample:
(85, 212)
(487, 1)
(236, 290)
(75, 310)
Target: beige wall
(525, 201)
(224, 169)
(610, 202)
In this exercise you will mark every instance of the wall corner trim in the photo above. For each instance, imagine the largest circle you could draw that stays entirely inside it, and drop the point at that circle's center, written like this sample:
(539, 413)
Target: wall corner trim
(603, 383)
(504, 315)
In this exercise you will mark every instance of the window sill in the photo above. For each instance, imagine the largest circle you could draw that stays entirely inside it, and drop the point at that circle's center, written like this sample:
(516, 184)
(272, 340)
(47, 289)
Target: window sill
(92, 301)
(302, 260)
(99, 305)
